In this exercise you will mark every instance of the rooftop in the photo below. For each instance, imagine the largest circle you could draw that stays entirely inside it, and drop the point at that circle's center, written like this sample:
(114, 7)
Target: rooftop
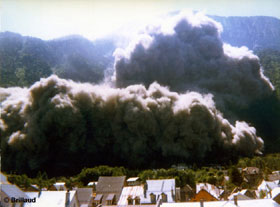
(3, 178)
(157, 187)
(132, 191)
(132, 179)
(13, 191)
(212, 189)
(161, 185)
(243, 203)
(251, 170)
(275, 192)
(110, 184)
(50, 198)
(84, 195)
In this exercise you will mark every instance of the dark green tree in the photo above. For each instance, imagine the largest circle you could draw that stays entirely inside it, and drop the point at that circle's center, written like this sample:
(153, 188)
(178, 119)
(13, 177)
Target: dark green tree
(235, 176)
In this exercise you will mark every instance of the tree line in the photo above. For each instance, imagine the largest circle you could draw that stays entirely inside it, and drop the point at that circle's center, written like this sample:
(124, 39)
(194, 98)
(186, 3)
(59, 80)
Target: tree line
(191, 175)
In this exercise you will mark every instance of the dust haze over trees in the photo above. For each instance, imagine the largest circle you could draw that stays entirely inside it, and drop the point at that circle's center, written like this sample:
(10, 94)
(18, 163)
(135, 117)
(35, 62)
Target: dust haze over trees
(210, 101)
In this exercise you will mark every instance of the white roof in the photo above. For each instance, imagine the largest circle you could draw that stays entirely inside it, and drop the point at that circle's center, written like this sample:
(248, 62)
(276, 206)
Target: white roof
(161, 185)
(132, 191)
(243, 203)
(132, 179)
(240, 196)
(50, 198)
(92, 183)
(3, 178)
(226, 178)
(59, 183)
(275, 192)
(268, 185)
(35, 186)
(12, 191)
(243, 191)
(60, 186)
(157, 187)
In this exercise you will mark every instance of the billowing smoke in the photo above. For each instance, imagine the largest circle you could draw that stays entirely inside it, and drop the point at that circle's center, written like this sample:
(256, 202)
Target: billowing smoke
(186, 53)
(57, 124)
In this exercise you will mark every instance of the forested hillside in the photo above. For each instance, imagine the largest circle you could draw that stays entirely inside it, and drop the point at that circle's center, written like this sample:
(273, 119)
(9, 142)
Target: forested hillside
(24, 60)
(257, 32)
(270, 61)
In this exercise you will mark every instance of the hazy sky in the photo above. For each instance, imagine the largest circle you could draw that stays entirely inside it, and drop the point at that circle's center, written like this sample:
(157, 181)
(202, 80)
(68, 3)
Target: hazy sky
(49, 19)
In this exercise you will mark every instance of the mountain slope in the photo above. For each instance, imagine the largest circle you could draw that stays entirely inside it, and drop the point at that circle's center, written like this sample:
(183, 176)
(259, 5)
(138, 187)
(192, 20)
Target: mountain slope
(258, 32)
(24, 60)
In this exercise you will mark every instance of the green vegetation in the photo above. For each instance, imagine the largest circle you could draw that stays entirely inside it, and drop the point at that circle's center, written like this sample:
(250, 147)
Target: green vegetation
(182, 177)
(271, 161)
(210, 175)
(25, 182)
(215, 176)
(91, 174)
(235, 176)
(270, 60)
(24, 60)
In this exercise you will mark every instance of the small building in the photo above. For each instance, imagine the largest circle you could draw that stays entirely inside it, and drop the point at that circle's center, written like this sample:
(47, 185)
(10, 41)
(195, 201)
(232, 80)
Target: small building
(239, 196)
(108, 190)
(54, 199)
(3, 179)
(185, 193)
(32, 188)
(276, 195)
(84, 196)
(224, 195)
(93, 185)
(249, 193)
(207, 192)
(131, 195)
(204, 195)
(133, 181)
(266, 187)
(9, 191)
(177, 194)
(251, 171)
(237, 203)
(159, 191)
(274, 177)
(251, 175)
(58, 186)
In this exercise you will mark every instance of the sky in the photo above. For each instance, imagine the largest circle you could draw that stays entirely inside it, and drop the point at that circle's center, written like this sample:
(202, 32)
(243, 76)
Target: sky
(49, 19)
